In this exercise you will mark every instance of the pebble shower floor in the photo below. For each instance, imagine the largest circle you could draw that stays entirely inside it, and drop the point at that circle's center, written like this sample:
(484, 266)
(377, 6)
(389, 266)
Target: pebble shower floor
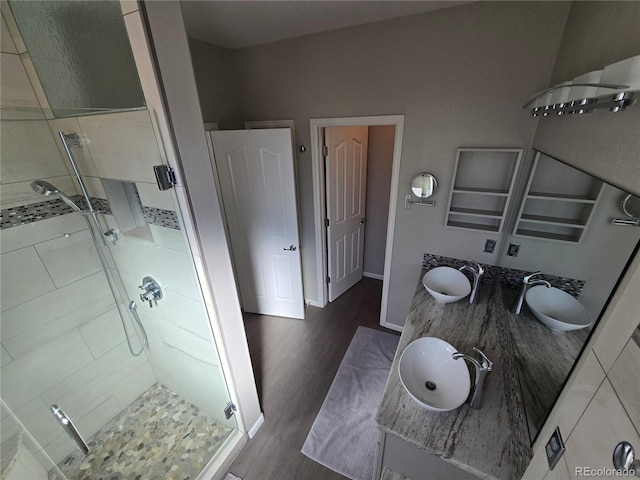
(159, 436)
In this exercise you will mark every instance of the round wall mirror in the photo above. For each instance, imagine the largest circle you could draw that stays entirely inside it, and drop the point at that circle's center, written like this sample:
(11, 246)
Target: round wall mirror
(631, 206)
(423, 185)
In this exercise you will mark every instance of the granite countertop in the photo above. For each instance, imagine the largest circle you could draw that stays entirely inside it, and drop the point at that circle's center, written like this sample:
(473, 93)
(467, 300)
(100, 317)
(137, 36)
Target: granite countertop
(544, 359)
(492, 442)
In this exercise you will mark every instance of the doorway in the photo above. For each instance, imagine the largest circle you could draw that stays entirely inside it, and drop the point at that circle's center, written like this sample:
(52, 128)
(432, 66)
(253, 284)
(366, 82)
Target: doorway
(318, 127)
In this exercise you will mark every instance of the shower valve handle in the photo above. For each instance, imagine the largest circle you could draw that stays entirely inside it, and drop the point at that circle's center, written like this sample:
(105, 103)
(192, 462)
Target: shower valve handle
(145, 298)
(151, 291)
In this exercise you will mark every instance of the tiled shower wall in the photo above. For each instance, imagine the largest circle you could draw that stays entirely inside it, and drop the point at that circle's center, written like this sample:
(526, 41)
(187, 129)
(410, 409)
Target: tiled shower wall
(61, 336)
(62, 341)
(181, 351)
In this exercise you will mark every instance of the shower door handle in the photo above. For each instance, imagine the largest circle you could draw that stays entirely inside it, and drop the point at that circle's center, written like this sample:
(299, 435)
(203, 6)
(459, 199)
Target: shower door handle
(70, 428)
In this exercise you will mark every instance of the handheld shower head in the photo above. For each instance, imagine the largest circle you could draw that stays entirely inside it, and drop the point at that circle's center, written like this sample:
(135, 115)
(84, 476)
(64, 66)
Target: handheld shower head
(45, 188)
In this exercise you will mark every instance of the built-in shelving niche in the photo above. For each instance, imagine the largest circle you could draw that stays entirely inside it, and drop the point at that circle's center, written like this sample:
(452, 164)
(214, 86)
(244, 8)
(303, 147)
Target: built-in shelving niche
(558, 203)
(482, 187)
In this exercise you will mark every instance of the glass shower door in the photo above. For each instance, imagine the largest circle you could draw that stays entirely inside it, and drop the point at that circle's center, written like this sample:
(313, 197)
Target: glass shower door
(68, 324)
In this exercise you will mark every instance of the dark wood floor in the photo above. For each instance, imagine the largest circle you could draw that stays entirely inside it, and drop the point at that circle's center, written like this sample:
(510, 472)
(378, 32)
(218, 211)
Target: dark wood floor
(294, 362)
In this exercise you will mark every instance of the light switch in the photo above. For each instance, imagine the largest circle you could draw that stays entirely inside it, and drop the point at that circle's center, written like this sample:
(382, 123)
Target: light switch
(555, 448)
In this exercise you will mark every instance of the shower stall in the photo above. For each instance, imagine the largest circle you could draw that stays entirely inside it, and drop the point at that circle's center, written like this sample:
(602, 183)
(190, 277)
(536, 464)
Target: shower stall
(110, 367)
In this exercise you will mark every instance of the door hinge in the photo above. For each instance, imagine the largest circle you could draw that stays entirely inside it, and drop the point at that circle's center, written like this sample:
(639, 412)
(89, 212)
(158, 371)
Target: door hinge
(229, 410)
(328, 279)
(325, 150)
(326, 222)
(165, 176)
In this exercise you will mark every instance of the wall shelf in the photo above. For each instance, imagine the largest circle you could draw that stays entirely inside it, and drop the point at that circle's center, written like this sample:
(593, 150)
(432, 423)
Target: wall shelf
(558, 203)
(476, 213)
(482, 186)
(482, 191)
(560, 197)
(568, 222)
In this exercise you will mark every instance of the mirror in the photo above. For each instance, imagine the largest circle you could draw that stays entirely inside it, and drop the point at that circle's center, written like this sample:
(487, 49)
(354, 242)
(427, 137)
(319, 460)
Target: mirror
(631, 207)
(564, 230)
(423, 185)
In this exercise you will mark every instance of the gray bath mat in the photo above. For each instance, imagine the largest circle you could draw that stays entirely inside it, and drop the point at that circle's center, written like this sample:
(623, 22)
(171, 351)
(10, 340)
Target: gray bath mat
(344, 434)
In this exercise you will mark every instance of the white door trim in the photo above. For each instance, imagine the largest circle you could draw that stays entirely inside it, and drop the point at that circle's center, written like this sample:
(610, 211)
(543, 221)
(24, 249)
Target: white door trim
(317, 124)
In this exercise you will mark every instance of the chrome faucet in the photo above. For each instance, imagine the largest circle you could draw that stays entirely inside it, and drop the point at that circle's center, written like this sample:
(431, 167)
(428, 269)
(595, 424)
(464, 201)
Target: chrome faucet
(526, 283)
(476, 279)
(482, 370)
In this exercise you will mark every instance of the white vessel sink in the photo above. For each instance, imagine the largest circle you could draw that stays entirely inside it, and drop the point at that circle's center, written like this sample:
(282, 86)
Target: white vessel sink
(432, 377)
(557, 309)
(446, 284)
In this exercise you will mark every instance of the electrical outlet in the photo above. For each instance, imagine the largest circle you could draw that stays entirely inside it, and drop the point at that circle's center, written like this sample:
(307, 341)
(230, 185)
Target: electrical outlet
(554, 448)
(489, 245)
(514, 249)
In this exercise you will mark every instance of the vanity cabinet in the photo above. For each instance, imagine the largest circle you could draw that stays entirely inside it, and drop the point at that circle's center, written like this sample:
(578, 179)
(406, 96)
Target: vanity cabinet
(559, 201)
(407, 461)
(482, 187)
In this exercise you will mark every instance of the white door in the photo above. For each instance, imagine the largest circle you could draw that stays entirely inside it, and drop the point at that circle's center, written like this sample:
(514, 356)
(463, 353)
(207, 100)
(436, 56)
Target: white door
(255, 170)
(346, 178)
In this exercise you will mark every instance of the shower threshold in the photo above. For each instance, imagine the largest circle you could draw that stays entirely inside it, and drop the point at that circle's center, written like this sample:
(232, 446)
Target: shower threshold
(159, 435)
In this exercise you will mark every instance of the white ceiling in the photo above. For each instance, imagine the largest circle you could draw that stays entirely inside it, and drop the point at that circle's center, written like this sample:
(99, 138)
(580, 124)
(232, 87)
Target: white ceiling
(240, 23)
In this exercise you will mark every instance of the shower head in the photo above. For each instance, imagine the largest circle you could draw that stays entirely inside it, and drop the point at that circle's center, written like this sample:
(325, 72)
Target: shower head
(45, 188)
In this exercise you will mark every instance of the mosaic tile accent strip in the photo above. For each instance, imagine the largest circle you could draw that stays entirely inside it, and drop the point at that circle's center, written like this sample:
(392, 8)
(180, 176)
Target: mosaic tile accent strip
(33, 212)
(512, 278)
(99, 204)
(24, 214)
(159, 436)
(430, 261)
(161, 217)
(509, 277)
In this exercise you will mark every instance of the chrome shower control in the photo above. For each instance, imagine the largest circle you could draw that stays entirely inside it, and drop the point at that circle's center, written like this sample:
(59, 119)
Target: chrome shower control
(151, 291)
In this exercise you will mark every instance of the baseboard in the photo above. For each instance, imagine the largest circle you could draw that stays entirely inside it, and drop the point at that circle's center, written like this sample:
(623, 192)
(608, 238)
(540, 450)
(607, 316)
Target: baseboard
(313, 303)
(373, 275)
(256, 426)
(392, 326)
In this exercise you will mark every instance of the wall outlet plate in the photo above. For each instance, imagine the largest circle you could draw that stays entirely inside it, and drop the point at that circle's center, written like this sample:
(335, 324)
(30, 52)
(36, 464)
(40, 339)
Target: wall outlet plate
(514, 249)
(554, 448)
(489, 245)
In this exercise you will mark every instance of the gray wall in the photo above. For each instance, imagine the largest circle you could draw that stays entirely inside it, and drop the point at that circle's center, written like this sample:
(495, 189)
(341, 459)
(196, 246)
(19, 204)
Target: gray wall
(215, 79)
(604, 144)
(458, 75)
(379, 163)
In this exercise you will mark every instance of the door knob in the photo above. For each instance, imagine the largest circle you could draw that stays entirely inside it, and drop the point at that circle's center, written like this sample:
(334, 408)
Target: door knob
(362, 220)
(292, 248)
